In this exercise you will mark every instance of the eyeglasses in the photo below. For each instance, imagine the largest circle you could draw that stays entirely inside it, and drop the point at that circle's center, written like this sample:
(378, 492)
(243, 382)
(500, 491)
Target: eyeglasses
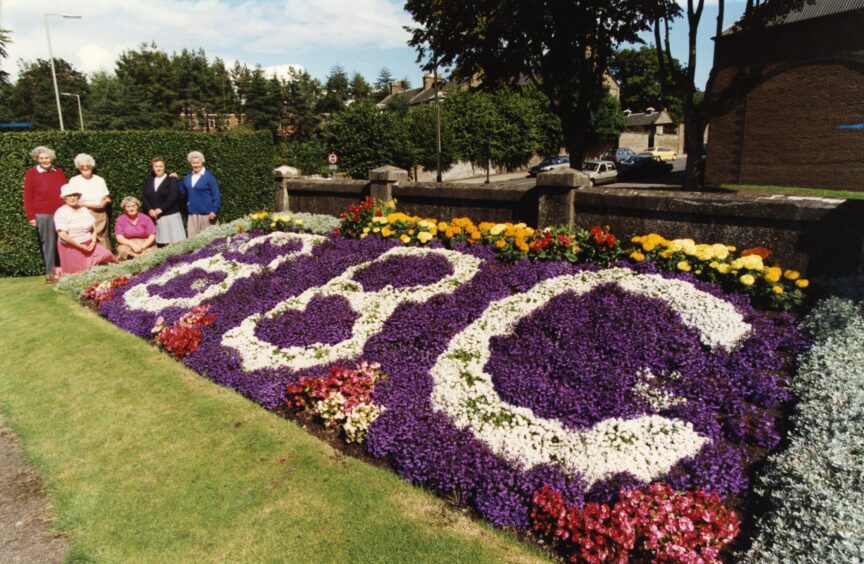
(85, 166)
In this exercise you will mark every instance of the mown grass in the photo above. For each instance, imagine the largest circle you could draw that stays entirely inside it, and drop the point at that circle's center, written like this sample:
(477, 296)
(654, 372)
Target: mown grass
(795, 191)
(146, 461)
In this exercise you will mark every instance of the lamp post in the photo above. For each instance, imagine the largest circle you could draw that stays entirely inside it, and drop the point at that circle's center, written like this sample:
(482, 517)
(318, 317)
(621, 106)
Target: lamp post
(80, 115)
(51, 60)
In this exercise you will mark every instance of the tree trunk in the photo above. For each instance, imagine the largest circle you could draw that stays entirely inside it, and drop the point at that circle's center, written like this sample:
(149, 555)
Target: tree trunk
(694, 134)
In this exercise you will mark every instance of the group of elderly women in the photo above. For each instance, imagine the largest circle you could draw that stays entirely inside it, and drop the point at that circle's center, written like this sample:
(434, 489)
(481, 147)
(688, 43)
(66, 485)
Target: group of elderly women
(71, 218)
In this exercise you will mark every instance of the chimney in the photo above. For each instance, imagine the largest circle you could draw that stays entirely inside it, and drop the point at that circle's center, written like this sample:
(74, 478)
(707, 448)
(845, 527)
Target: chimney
(650, 110)
(627, 112)
(395, 88)
(428, 81)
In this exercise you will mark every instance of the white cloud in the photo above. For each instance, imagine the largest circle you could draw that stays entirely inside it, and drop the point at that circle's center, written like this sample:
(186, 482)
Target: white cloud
(248, 30)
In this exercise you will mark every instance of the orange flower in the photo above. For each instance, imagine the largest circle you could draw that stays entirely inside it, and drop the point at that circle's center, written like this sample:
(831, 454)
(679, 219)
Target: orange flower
(500, 244)
(760, 251)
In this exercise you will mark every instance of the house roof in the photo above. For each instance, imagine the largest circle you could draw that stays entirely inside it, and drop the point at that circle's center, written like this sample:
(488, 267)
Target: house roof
(645, 119)
(812, 11)
(418, 95)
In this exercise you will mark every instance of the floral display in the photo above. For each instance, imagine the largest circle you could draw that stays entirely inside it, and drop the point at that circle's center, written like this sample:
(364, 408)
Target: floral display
(100, 292)
(654, 523)
(600, 381)
(342, 399)
(184, 336)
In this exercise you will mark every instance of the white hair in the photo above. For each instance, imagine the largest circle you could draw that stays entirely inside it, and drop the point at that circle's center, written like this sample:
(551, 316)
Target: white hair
(84, 159)
(42, 150)
(195, 155)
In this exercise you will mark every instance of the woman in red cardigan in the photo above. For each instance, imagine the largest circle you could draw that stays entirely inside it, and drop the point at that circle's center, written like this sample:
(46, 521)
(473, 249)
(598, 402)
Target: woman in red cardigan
(41, 199)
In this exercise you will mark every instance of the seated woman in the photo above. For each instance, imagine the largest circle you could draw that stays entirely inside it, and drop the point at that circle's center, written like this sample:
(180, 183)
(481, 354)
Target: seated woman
(76, 230)
(135, 232)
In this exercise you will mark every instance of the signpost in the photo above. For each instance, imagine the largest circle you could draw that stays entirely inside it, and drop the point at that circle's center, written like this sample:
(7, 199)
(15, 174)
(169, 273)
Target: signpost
(333, 161)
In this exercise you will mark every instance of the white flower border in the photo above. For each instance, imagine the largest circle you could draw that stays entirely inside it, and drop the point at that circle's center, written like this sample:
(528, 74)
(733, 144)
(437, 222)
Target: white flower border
(373, 309)
(646, 446)
(139, 298)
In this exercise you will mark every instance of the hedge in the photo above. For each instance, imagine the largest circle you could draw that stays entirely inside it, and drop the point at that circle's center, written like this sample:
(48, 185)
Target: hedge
(241, 162)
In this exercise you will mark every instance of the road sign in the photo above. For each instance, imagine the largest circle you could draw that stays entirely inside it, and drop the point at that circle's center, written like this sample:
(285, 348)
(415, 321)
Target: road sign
(333, 158)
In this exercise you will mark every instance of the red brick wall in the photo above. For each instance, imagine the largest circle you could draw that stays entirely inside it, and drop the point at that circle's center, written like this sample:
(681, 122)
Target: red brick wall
(785, 132)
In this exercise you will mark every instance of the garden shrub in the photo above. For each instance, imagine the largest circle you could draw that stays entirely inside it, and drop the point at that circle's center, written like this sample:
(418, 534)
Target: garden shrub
(241, 163)
(815, 488)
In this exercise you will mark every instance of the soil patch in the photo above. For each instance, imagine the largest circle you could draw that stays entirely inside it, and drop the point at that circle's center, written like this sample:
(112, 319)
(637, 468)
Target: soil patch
(26, 534)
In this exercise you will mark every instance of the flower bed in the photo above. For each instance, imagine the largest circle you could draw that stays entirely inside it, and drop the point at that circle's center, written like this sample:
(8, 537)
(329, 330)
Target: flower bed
(492, 379)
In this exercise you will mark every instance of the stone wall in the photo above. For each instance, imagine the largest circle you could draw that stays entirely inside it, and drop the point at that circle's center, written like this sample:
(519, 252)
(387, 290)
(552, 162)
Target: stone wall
(815, 235)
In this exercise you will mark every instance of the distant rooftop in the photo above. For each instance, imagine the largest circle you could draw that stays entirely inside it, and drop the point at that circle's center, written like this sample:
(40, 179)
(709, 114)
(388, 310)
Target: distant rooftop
(812, 11)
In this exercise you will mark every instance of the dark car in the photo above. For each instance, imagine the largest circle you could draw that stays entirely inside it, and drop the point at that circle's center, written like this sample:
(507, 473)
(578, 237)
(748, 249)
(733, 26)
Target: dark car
(553, 163)
(619, 155)
(640, 167)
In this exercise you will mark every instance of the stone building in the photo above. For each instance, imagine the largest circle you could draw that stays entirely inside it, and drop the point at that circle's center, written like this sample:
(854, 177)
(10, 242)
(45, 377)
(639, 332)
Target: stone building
(651, 129)
(797, 127)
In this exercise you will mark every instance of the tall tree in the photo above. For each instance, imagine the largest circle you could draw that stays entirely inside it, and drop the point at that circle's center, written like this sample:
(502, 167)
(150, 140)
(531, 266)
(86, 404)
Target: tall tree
(4, 41)
(564, 47)
(32, 98)
(263, 106)
(638, 74)
(383, 82)
(116, 103)
(302, 95)
(337, 91)
(698, 110)
(189, 83)
(359, 88)
(149, 69)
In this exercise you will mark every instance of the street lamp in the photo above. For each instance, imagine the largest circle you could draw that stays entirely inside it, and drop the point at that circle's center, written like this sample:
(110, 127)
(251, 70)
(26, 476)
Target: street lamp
(80, 115)
(51, 60)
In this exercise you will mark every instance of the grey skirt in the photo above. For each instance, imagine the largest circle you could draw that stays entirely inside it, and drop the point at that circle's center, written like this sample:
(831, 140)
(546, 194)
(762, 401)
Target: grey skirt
(169, 229)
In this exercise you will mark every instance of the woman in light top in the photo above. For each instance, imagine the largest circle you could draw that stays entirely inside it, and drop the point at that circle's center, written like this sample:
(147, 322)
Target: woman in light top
(94, 195)
(77, 247)
(135, 232)
(42, 185)
(202, 193)
(160, 199)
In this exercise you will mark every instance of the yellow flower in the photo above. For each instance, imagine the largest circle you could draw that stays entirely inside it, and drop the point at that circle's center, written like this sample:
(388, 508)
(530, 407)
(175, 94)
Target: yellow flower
(752, 262)
(365, 230)
(791, 275)
(667, 253)
(723, 268)
(475, 236)
(698, 271)
(747, 280)
(684, 266)
(500, 244)
(637, 256)
(424, 236)
(376, 230)
(498, 229)
(777, 289)
(405, 239)
(649, 246)
(298, 221)
(380, 219)
(386, 232)
(802, 282)
(442, 226)
(773, 274)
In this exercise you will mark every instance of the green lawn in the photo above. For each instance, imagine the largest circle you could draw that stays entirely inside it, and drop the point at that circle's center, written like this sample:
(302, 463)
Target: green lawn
(146, 461)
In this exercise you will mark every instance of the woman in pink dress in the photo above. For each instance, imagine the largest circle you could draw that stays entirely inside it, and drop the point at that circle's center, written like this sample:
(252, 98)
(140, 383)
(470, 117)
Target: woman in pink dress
(76, 231)
(135, 232)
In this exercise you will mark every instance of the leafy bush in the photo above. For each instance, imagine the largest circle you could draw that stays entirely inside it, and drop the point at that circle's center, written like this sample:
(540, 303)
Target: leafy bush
(815, 488)
(241, 163)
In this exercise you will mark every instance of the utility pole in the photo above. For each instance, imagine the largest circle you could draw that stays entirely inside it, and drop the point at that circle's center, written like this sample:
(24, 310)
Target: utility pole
(437, 124)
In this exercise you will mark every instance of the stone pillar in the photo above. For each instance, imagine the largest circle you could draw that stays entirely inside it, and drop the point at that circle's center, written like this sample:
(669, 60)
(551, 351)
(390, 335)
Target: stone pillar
(556, 196)
(280, 177)
(383, 179)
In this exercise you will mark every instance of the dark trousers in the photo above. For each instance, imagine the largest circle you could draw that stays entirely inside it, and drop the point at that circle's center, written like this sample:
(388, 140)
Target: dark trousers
(47, 234)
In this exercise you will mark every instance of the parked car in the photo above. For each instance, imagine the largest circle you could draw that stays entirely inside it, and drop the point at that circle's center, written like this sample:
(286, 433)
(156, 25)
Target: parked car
(562, 161)
(600, 172)
(660, 152)
(639, 167)
(618, 155)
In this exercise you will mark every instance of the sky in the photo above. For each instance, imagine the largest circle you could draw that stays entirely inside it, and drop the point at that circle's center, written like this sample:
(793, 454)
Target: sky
(360, 35)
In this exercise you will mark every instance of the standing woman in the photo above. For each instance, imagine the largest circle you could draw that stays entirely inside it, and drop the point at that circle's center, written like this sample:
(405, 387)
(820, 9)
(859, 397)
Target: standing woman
(76, 230)
(202, 193)
(94, 195)
(42, 185)
(160, 199)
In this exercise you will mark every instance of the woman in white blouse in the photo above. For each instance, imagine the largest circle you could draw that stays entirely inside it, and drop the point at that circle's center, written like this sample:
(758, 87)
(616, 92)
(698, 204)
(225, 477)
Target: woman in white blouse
(94, 195)
(76, 232)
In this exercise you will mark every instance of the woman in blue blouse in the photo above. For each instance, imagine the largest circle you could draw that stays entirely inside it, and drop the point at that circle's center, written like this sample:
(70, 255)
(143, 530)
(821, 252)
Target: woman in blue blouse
(202, 194)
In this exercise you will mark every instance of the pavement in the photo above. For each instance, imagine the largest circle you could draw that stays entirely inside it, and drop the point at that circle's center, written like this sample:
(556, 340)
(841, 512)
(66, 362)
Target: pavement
(521, 178)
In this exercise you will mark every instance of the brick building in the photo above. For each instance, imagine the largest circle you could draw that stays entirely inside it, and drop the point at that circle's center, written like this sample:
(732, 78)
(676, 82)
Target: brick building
(793, 128)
